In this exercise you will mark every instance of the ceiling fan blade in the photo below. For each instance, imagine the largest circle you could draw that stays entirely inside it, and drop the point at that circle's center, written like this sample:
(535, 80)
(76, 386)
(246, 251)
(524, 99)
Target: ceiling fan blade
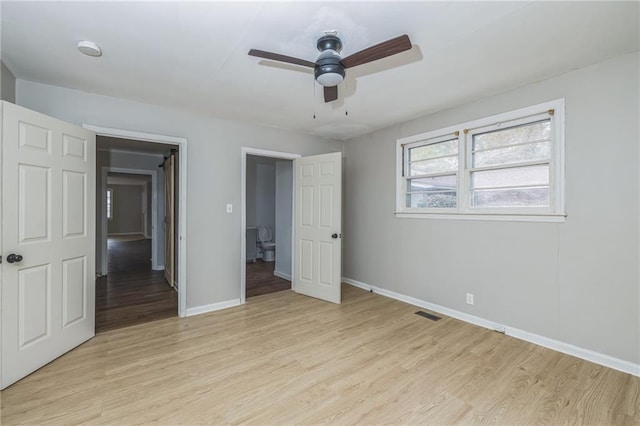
(379, 51)
(330, 93)
(281, 58)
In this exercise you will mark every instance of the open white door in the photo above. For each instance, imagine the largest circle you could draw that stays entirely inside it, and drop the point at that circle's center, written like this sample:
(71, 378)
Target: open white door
(48, 240)
(318, 226)
(169, 220)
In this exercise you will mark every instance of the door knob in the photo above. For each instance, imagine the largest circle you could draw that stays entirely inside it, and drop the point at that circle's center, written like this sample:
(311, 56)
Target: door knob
(334, 236)
(14, 258)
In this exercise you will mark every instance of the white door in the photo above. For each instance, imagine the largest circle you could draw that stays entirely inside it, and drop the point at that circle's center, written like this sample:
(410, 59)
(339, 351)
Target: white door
(48, 240)
(318, 226)
(169, 221)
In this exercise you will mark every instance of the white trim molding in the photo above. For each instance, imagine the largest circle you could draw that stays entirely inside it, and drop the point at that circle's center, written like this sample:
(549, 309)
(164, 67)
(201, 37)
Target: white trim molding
(282, 275)
(197, 310)
(131, 134)
(556, 345)
(244, 151)
(489, 217)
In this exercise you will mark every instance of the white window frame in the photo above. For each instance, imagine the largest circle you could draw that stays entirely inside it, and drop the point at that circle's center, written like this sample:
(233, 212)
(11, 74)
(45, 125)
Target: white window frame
(423, 139)
(109, 206)
(465, 131)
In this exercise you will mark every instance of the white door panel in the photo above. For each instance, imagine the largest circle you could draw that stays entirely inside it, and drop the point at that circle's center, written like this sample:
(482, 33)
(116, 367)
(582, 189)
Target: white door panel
(318, 210)
(48, 211)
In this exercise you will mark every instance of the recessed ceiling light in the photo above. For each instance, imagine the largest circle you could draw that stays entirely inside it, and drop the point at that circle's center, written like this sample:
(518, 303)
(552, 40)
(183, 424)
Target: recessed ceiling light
(89, 48)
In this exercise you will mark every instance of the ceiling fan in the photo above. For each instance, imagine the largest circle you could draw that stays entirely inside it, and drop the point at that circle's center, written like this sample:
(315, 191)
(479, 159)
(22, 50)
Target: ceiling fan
(330, 66)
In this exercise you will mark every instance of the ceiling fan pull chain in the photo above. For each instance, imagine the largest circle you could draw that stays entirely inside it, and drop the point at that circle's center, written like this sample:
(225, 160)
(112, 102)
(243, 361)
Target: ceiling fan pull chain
(346, 89)
(314, 99)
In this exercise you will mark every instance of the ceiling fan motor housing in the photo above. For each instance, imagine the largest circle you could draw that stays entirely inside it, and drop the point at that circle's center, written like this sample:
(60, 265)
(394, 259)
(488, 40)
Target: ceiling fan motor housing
(329, 42)
(329, 71)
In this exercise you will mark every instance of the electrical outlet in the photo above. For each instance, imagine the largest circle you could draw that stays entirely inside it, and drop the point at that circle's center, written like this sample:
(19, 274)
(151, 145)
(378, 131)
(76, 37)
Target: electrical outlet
(469, 299)
(229, 208)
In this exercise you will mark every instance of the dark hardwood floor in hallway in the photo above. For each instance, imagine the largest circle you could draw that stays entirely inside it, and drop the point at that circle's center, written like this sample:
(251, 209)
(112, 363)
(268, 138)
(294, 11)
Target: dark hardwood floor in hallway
(260, 279)
(132, 293)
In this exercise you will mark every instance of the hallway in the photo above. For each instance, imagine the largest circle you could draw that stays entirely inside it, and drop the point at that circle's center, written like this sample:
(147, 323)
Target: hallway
(132, 293)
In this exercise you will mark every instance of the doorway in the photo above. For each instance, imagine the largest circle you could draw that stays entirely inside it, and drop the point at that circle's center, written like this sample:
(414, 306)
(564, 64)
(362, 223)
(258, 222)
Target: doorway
(267, 222)
(269, 186)
(137, 218)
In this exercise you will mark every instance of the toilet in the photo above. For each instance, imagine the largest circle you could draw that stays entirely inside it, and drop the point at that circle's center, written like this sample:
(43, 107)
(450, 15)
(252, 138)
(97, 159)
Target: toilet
(266, 243)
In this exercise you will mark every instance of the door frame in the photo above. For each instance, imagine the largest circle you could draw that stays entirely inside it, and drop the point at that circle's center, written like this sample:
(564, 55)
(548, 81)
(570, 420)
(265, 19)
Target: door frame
(155, 265)
(244, 151)
(182, 197)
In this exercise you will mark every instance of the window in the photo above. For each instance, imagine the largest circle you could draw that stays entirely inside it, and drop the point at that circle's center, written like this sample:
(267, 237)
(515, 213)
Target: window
(109, 204)
(432, 173)
(506, 166)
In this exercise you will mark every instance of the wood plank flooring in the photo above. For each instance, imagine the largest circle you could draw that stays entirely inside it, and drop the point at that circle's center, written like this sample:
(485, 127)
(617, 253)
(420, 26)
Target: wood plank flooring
(260, 279)
(284, 358)
(132, 293)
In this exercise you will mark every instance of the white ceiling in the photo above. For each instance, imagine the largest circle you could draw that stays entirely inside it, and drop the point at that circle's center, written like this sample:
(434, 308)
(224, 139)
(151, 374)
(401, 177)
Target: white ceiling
(194, 55)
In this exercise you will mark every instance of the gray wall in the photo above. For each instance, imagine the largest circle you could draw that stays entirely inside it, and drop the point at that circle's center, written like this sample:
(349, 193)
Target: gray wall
(127, 210)
(576, 282)
(284, 212)
(213, 175)
(128, 160)
(265, 192)
(7, 84)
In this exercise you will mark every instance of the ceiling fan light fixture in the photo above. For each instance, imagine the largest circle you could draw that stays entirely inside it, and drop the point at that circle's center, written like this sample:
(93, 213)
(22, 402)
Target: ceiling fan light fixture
(329, 71)
(330, 79)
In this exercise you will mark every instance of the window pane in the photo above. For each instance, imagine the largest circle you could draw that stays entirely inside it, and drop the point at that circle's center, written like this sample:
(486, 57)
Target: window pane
(539, 131)
(433, 150)
(437, 200)
(513, 154)
(515, 197)
(439, 165)
(439, 183)
(513, 176)
(108, 204)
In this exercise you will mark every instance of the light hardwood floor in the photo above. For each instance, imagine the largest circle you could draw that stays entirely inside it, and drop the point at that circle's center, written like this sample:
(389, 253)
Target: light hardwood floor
(288, 359)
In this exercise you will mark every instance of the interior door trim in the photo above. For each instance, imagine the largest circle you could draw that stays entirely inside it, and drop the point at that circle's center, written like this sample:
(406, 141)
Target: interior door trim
(182, 202)
(244, 151)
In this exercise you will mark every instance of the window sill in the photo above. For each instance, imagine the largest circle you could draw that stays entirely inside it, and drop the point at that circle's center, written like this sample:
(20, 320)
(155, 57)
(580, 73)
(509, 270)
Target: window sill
(553, 218)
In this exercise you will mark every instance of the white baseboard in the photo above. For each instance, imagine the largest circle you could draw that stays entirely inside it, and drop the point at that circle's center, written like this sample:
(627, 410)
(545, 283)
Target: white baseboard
(567, 348)
(125, 233)
(197, 310)
(158, 268)
(282, 275)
